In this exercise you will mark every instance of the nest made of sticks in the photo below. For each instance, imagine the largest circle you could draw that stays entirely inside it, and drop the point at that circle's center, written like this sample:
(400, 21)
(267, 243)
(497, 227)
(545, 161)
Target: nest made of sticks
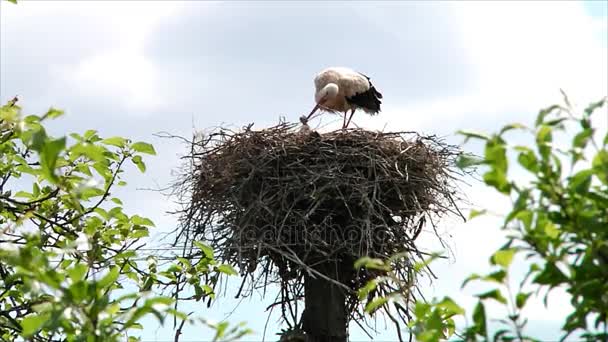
(284, 201)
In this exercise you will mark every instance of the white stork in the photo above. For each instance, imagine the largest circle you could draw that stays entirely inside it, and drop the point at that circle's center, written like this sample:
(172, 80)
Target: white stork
(340, 89)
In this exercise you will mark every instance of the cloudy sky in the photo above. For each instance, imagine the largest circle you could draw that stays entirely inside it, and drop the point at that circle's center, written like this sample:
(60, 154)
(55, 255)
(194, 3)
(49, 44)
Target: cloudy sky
(138, 68)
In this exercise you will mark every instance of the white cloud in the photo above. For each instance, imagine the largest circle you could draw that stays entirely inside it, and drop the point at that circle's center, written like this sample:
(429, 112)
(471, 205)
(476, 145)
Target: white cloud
(523, 51)
(126, 21)
(123, 72)
(96, 49)
(119, 74)
(522, 54)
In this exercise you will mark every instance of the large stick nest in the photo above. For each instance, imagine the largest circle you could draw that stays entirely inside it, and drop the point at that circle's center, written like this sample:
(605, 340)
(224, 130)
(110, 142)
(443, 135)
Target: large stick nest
(283, 201)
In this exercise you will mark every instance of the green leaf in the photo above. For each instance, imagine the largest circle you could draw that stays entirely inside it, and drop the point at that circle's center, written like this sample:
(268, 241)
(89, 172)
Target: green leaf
(208, 290)
(174, 268)
(421, 309)
(551, 230)
(511, 127)
(498, 180)
(373, 305)
(89, 134)
(493, 294)
(543, 113)
(581, 139)
(369, 287)
(418, 266)
(139, 162)
(84, 169)
(497, 277)
(600, 165)
(36, 139)
(428, 335)
(593, 106)
(101, 212)
(220, 330)
(76, 137)
(208, 251)
(115, 141)
(48, 156)
(142, 221)
(23, 194)
(479, 318)
(109, 278)
(503, 257)
(528, 160)
(53, 113)
(77, 272)
(137, 315)
(143, 147)
(469, 134)
(525, 217)
(86, 193)
(474, 213)
(226, 269)
(198, 291)
(496, 154)
(557, 123)
(31, 324)
(103, 169)
(451, 307)
(471, 277)
(544, 134)
(581, 181)
(521, 298)
(543, 138)
(184, 262)
(138, 234)
(371, 263)
(159, 300)
(467, 160)
(502, 336)
(12, 1)
(551, 275)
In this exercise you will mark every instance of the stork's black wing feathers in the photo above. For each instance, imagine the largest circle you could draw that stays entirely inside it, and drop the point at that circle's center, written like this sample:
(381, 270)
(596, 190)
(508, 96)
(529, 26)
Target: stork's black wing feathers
(371, 88)
(369, 80)
(368, 100)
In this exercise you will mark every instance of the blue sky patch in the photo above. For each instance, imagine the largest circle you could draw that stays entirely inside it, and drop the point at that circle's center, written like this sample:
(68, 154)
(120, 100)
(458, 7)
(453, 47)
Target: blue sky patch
(596, 8)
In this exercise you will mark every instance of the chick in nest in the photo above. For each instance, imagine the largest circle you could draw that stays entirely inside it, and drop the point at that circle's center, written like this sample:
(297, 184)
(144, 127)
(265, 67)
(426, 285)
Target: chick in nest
(305, 129)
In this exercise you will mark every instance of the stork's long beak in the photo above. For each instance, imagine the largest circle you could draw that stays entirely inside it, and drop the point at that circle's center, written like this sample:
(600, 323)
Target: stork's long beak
(313, 111)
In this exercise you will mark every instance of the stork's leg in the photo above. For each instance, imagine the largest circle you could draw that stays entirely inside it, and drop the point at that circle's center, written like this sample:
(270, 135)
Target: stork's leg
(352, 112)
(344, 121)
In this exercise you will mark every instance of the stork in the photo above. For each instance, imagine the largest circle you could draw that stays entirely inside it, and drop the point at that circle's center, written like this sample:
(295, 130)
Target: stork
(340, 89)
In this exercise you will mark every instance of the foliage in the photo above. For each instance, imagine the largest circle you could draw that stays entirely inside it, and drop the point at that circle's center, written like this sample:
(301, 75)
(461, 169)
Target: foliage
(557, 228)
(70, 265)
(558, 221)
(434, 321)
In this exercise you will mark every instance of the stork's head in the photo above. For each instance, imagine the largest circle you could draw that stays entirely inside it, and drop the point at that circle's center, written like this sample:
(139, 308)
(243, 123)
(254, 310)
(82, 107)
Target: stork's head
(328, 92)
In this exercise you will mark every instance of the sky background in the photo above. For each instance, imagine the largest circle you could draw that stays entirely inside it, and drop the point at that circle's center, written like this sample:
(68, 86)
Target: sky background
(138, 68)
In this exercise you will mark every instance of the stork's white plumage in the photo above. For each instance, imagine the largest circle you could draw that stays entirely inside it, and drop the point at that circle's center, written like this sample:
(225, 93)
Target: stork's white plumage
(340, 89)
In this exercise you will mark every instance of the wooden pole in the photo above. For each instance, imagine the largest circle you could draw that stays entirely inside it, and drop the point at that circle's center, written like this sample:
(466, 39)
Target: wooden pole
(324, 318)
